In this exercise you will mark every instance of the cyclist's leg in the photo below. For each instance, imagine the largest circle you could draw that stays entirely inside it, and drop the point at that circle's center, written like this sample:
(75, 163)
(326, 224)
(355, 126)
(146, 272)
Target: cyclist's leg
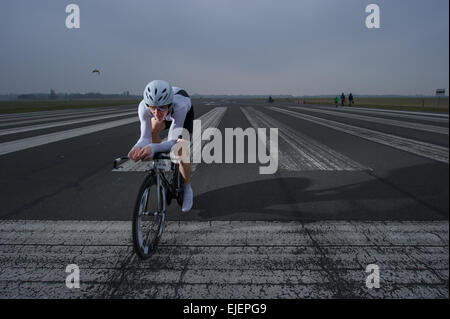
(185, 168)
(157, 128)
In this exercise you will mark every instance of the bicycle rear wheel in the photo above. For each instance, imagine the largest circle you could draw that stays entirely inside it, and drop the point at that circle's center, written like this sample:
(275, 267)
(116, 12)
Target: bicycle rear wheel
(148, 218)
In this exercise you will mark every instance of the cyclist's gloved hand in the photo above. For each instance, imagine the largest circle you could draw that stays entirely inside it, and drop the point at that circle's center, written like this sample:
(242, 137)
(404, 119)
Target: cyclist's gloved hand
(145, 153)
(133, 154)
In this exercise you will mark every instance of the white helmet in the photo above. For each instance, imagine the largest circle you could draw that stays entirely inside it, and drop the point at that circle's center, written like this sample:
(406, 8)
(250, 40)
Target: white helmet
(158, 93)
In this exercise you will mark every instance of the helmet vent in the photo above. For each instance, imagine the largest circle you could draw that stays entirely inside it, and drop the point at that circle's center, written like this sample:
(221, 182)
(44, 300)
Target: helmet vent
(164, 91)
(156, 91)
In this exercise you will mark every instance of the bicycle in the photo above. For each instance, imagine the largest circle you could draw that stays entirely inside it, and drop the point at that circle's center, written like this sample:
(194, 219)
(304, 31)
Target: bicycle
(162, 184)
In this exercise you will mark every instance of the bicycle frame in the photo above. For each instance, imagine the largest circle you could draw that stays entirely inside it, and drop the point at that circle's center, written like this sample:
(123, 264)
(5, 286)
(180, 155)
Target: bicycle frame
(161, 195)
(162, 182)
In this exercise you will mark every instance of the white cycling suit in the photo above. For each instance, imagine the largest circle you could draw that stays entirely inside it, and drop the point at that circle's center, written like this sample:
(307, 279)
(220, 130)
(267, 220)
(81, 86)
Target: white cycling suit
(177, 114)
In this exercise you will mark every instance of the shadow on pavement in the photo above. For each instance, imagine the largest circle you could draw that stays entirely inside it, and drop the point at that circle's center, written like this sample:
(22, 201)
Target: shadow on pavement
(411, 193)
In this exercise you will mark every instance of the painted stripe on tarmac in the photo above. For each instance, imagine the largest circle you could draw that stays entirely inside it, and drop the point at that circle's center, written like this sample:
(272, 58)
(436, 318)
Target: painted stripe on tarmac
(299, 152)
(427, 114)
(212, 120)
(423, 149)
(385, 121)
(396, 115)
(22, 144)
(220, 259)
(53, 118)
(65, 111)
(16, 130)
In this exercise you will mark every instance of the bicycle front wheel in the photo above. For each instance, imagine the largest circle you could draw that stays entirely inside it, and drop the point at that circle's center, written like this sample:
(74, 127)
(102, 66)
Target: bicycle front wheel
(148, 218)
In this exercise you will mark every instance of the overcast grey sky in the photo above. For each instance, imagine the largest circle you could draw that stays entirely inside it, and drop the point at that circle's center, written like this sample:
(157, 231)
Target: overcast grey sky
(297, 47)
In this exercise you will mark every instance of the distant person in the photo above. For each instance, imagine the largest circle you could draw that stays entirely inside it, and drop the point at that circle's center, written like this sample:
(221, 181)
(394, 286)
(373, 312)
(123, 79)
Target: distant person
(270, 99)
(336, 101)
(350, 99)
(343, 99)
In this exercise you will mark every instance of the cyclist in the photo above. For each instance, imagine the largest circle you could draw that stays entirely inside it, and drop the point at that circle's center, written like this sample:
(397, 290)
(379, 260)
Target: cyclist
(343, 99)
(164, 106)
(336, 101)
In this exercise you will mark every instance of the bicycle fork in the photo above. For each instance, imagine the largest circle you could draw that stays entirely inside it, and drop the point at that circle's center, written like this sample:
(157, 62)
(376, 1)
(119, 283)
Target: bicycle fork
(161, 201)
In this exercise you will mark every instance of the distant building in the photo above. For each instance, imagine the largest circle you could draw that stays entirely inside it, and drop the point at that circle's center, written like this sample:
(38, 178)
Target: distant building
(52, 95)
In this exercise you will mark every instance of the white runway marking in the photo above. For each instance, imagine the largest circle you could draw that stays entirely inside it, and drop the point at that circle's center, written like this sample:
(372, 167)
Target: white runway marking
(423, 149)
(226, 259)
(385, 121)
(211, 119)
(423, 114)
(436, 119)
(16, 130)
(22, 144)
(300, 152)
(26, 118)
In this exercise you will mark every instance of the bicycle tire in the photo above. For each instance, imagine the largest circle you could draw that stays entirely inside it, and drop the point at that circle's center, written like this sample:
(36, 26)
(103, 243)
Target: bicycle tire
(146, 239)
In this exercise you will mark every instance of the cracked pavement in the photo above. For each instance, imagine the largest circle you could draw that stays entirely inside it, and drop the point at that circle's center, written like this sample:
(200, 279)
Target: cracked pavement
(219, 259)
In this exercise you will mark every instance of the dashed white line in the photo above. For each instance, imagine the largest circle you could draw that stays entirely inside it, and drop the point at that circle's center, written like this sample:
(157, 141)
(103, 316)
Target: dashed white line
(25, 143)
(16, 130)
(423, 149)
(302, 153)
(385, 121)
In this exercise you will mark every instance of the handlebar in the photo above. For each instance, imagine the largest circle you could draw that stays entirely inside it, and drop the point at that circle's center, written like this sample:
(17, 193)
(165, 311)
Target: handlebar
(158, 156)
(119, 161)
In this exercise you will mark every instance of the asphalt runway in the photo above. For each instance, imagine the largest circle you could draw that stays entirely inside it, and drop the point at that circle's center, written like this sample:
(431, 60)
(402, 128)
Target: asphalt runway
(357, 186)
